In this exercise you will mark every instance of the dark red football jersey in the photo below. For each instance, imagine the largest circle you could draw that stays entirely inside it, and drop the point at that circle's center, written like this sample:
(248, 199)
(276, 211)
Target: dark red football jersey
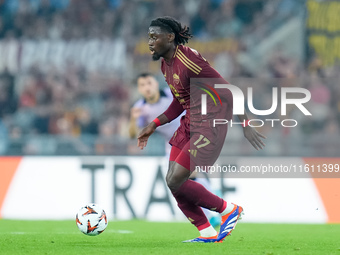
(183, 72)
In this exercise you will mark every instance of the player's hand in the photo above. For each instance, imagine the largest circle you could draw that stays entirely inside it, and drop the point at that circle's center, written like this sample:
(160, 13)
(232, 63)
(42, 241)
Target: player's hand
(143, 136)
(254, 137)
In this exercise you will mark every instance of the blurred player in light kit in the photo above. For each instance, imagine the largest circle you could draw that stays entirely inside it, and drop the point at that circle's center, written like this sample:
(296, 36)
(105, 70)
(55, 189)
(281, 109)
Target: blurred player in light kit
(154, 102)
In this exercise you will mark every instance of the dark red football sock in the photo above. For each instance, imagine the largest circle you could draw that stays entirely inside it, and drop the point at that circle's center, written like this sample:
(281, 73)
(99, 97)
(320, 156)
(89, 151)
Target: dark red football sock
(194, 214)
(191, 196)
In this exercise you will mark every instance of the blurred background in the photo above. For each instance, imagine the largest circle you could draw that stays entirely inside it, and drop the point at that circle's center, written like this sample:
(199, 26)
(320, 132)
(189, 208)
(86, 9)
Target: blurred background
(68, 69)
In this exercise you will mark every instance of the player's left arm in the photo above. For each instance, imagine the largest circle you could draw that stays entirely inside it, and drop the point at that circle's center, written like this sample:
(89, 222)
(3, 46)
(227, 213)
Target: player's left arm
(252, 135)
(207, 71)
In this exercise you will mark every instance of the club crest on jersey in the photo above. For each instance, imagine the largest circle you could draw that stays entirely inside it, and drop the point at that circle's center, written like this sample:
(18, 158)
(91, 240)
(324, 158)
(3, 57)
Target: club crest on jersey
(176, 78)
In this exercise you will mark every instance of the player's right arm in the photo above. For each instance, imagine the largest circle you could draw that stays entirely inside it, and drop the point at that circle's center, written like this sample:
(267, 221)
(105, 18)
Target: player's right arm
(174, 110)
(144, 135)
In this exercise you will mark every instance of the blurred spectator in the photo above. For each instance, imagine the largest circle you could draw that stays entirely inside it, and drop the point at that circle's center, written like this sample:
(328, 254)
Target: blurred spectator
(7, 96)
(45, 9)
(108, 143)
(85, 121)
(4, 141)
(41, 122)
(27, 98)
(227, 24)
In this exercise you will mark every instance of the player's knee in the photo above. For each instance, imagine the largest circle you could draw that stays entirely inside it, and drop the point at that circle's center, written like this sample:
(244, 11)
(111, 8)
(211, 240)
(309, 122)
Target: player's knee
(167, 179)
(176, 178)
(171, 179)
(172, 183)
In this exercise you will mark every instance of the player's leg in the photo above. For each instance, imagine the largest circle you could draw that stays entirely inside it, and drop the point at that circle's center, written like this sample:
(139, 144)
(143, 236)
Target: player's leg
(181, 186)
(205, 147)
(229, 214)
(178, 183)
(191, 195)
(193, 212)
(174, 152)
(189, 192)
(185, 207)
(213, 217)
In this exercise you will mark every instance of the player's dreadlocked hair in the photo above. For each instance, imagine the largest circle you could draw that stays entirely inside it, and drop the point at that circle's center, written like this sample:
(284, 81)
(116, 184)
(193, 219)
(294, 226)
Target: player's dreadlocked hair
(171, 25)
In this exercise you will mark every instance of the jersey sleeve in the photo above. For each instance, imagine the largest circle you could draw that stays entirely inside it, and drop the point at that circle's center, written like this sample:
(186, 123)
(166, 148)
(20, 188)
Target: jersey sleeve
(199, 67)
(174, 110)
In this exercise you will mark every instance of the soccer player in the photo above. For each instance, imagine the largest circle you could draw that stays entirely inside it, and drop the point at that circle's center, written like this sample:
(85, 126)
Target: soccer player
(196, 142)
(153, 103)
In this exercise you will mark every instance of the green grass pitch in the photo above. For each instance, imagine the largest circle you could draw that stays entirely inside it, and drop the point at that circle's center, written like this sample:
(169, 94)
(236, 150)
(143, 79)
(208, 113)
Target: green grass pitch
(141, 237)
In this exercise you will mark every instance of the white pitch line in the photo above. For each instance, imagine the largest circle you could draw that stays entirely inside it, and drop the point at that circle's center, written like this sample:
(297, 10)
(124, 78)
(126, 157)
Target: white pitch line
(119, 231)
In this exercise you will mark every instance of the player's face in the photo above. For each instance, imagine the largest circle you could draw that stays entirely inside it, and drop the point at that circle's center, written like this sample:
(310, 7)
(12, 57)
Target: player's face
(148, 87)
(158, 42)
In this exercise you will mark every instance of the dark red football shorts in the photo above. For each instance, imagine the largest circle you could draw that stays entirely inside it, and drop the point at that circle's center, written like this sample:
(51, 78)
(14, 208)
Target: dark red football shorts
(197, 146)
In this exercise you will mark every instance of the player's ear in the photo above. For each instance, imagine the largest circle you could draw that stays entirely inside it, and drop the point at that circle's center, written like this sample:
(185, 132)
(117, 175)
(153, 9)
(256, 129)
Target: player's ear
(171, 37)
